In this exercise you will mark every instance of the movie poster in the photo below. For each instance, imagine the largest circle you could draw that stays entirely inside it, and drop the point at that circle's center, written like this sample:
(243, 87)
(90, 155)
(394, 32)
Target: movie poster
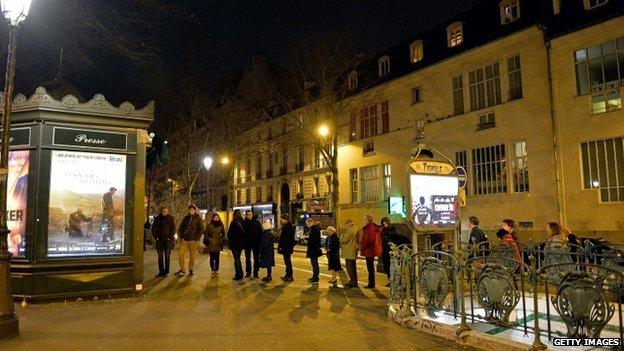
(86, 210)
(17, 197)
(434, 201)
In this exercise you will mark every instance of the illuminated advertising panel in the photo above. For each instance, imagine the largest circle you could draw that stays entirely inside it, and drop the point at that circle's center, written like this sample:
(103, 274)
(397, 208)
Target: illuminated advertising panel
(86, 209)
(17, 197)
(434, 201)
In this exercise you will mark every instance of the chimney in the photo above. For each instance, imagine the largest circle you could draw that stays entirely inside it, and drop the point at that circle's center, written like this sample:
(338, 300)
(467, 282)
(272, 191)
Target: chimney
(556, 6)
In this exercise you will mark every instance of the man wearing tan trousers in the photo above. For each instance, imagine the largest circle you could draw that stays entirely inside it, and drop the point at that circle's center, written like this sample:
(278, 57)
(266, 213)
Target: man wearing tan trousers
(190, 231)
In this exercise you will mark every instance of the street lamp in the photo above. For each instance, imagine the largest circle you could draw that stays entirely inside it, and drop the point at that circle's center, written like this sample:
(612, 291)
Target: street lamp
(207, 162)
(225, 160)
(15, 11)
(323, 130)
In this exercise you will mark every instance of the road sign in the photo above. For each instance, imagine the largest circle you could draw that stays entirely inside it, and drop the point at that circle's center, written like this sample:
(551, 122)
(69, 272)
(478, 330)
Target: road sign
(461, 176)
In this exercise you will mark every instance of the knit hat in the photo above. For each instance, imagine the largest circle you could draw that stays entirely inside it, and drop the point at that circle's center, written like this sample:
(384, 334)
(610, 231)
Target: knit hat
(330, 230)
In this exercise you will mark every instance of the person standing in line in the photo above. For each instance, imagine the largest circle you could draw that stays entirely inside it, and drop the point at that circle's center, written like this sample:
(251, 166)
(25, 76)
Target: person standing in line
(349, 248)
(190, 231)
(267, 253)
(253, 238)
(333, 254)
(387, 234)
(236, 242)
(286, 245)
(370, 247)
(314, 251)
(213, 239)
(510, 226)
(163, 230)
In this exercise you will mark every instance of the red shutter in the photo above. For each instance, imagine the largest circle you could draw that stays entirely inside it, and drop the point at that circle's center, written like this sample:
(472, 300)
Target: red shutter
(385, 117)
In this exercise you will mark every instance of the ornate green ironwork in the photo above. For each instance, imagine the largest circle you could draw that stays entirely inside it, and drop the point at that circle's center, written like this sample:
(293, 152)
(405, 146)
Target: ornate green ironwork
(497, 293)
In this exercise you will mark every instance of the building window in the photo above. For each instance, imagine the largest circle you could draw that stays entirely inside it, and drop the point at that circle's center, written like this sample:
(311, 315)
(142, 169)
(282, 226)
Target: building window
(353, 176)
(352, 80)
(300, 186)
(384, 66)
(370, 184)
(592, 4)
(315, 186)
(369, 148)
(603, 168)
(509, 11)
(385, 117)
(353, 125)
(415, 95)
(368, 122)
(387, 179)
(258, 194)
(515, 78)
(599, 66)
(248, 195)
(458, 95)
(461, 160)
(454, 34)
(484, 86)
(486, 121)
(488, 169)
(239, 196)
(416, 51)
(269, 193)
(259, 167)
(519, 167)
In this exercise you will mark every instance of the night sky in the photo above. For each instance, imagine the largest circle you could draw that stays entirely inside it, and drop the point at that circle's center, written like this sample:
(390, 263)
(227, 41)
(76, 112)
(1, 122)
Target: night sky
(220, 35)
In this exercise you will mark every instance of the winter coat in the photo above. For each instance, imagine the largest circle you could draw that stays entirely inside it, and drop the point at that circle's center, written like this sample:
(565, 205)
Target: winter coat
(286, 242)
(253, 233)
(191, 228)
(477, 236)
(214, 236)
(164, 227)
(267, 254)
(508, 240)
(314, 242)
(370, 246)
(236, 235)
(349, 244)
(333, 252)
(387, 233)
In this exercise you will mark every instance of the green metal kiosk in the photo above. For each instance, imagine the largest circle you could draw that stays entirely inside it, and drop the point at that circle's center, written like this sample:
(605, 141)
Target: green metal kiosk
(76, 184)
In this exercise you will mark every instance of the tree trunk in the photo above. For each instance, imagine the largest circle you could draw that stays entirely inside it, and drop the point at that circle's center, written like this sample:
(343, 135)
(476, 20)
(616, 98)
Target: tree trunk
(335, 180)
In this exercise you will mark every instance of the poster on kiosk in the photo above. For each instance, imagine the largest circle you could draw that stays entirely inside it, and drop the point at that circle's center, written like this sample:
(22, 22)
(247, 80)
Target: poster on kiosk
(434, 194)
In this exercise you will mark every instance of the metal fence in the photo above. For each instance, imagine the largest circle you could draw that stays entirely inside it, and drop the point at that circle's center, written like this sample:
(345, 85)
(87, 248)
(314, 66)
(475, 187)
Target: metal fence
(548, 289)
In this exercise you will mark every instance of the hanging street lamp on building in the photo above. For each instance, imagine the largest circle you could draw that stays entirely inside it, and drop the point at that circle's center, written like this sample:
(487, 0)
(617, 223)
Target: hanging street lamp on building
(15, 11)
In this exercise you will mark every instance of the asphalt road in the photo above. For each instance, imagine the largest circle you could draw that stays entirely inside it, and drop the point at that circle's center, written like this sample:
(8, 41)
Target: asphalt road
(204, 313)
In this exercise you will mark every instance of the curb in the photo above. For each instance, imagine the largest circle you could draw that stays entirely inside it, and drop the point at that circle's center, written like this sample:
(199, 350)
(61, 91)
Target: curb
(471, 338)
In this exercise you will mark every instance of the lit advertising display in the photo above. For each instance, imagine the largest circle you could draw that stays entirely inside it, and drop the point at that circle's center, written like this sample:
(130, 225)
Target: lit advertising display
(434, 201)
(17, 197)
(86, 209)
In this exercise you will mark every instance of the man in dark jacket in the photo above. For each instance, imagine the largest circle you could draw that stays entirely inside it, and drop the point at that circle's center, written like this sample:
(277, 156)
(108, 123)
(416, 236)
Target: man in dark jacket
(163, 231)
(190, 231)
(253, 238)
(236, 242)
(477, 239)
(108, 216)
(286, 245)
(313, 251)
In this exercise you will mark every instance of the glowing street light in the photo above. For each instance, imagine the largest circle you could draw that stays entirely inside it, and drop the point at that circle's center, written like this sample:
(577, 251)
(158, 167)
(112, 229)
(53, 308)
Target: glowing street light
(207, 162)
(225, 160)
(323, 130)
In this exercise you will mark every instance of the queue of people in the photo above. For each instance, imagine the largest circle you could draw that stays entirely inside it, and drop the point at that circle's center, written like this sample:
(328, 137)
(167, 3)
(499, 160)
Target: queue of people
(256, 240)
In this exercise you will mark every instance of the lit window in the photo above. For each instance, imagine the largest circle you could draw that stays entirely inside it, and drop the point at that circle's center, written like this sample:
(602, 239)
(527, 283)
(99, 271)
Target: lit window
(416, 51)
(353, 175)
(455, 34)
(352, 80)
(519, 167)
(592, 4)
(384, 66)
(370, 184)
(599, 67)
(509, 11)
(387, 179)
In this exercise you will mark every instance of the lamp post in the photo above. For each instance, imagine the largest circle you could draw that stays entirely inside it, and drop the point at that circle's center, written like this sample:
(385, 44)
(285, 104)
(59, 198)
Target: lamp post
(15, 11)
(207, 162)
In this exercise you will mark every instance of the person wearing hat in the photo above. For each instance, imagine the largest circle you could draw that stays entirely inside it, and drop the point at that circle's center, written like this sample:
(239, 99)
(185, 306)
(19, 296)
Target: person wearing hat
(286, 245)
(333, 254)
(267, 255)
(190, 231)
(349, 247)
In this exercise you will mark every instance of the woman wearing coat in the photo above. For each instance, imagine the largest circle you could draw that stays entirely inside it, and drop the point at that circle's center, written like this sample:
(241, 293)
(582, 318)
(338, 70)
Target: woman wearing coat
(214, 235)
(267, 254)
(314, 251)
(349, 249)
(333, 254)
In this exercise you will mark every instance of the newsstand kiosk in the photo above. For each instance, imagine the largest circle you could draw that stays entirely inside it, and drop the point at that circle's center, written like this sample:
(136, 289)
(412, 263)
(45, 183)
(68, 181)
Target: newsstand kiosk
(76, 187)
